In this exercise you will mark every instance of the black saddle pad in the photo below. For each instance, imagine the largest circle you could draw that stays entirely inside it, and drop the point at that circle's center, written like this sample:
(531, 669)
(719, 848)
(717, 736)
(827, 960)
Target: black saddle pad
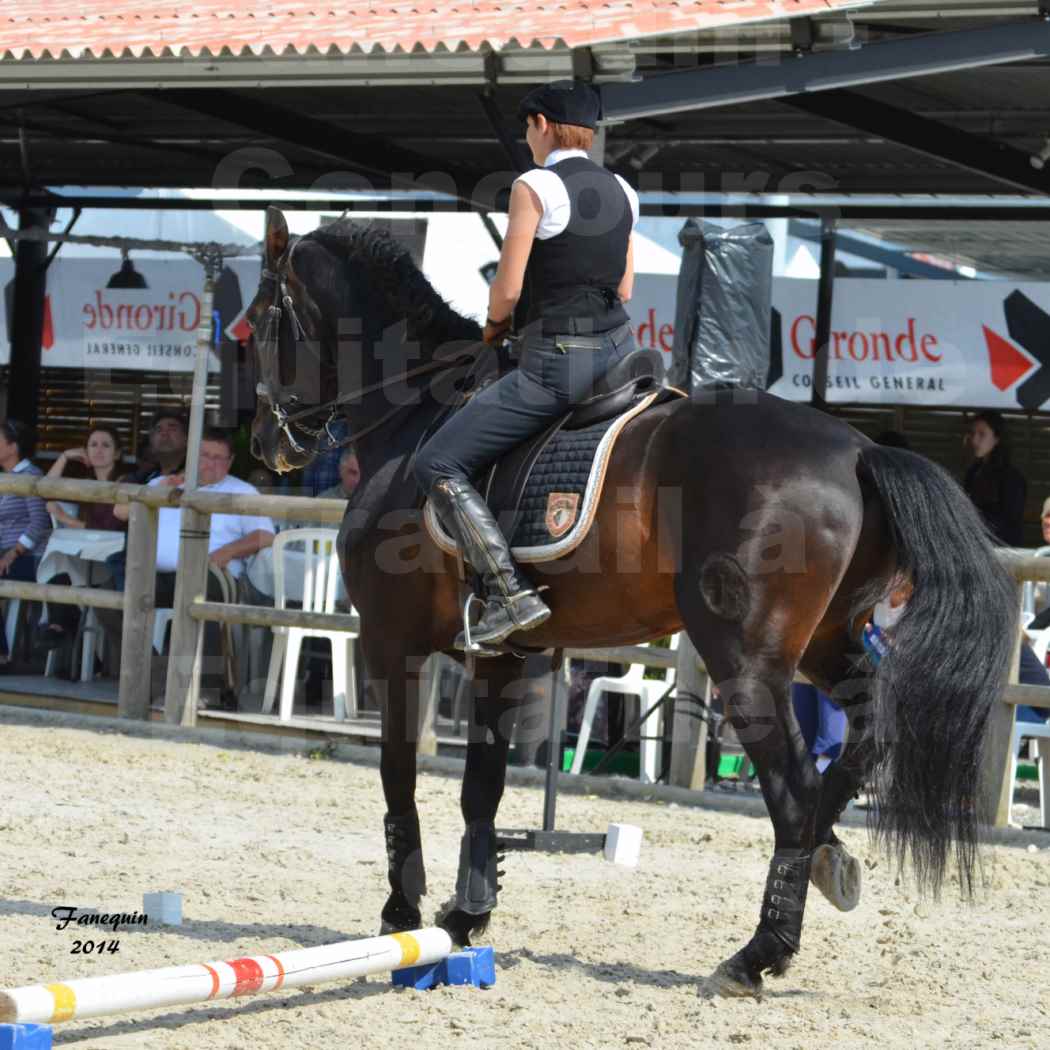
(551, 501)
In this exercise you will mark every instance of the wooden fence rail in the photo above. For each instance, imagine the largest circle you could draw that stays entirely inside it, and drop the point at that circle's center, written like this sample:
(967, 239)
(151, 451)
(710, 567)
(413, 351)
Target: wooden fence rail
(137, 603)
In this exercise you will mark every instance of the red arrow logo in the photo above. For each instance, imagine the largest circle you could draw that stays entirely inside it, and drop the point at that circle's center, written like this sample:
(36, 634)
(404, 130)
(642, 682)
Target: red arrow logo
(1007, 363)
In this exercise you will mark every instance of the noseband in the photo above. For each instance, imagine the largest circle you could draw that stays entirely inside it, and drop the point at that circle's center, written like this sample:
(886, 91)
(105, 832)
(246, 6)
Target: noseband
(269, 348)
(269, 387)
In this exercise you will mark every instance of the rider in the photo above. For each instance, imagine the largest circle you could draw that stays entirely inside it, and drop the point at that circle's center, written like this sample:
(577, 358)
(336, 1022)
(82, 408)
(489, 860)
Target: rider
(565, 270)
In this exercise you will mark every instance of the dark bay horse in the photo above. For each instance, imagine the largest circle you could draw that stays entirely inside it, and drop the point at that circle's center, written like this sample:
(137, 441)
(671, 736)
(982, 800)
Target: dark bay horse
(764, 529)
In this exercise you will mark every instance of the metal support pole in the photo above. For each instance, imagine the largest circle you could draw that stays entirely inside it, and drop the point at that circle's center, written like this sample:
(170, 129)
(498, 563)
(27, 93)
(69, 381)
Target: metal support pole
(825, 294)
(26, 309)
(559, 696)
(192, 575)
(137, 631)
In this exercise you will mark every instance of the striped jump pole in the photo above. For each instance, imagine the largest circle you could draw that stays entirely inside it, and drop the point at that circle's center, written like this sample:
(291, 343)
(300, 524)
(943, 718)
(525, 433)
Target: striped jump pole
(205, 982)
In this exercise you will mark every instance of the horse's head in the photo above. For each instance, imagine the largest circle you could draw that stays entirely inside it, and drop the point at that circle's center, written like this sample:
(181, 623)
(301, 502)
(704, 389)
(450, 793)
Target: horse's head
(294, 366)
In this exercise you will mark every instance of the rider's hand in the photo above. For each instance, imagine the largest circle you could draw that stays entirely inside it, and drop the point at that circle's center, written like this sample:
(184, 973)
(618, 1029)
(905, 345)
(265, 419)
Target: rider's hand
(495, 330)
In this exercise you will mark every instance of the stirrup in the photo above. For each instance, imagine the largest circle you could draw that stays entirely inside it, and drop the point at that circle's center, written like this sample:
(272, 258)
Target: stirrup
(470, 647)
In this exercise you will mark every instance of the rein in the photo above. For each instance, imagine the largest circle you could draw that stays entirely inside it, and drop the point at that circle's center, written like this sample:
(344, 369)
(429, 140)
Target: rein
(268, 366)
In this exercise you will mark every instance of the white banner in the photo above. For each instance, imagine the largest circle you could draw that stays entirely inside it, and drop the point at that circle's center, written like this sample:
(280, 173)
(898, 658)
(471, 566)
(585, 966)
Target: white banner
(90, 325)
(974, 343)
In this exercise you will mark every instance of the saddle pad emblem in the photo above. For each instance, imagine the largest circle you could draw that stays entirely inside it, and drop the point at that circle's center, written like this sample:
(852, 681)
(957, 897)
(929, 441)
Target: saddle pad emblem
(562, 508)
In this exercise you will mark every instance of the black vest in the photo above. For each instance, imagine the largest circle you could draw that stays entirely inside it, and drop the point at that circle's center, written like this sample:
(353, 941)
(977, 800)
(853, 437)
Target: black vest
(571, 279)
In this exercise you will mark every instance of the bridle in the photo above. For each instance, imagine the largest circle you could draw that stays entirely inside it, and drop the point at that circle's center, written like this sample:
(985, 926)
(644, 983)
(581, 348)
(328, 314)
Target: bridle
(269, 386)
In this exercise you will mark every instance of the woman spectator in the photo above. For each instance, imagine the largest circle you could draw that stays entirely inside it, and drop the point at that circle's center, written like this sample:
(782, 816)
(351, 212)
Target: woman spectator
(996, 487)
(24, 523)
(101, 456)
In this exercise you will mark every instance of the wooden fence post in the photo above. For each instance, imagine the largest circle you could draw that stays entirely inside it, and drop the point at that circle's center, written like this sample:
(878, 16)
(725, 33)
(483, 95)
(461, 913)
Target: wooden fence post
(191, 579)
(996, 790)
(137, 631)
(429, 694)
(689, 730)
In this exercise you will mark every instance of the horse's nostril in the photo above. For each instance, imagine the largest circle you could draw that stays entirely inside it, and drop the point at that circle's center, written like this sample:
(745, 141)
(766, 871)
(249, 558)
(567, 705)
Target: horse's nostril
(256, 447)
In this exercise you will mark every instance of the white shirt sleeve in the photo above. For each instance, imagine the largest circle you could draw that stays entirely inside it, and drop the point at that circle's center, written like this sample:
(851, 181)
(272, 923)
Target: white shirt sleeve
(632, 197)
(553, 197)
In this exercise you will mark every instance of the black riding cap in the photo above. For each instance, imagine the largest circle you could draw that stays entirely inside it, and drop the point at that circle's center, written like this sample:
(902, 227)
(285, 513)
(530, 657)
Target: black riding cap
(564, 102)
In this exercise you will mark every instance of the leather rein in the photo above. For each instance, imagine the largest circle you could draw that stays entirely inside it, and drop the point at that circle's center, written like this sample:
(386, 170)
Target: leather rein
(268, 349)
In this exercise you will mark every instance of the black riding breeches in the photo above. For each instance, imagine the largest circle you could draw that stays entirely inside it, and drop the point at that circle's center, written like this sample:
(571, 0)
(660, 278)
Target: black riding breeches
(546, 384)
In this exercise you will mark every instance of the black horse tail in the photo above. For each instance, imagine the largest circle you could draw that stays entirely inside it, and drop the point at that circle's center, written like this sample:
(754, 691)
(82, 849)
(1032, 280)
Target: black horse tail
(934, 690)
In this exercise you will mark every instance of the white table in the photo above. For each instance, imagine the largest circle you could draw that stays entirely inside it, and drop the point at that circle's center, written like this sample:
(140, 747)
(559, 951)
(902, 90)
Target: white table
(260, 574)
(72, 551)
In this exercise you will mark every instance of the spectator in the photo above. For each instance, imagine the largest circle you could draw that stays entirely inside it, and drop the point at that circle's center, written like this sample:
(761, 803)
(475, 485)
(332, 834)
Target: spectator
(996, 487)
(823, 724)
(166, 453)
(349, 477)
(324, 472)
(165, 457)
(24, 522)
(234, 537)
(101, 454)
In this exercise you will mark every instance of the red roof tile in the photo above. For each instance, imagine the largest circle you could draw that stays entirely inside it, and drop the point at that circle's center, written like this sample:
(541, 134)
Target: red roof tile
(67, 28)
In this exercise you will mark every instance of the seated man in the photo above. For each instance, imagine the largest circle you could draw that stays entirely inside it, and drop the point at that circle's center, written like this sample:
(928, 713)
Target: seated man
(233, 539)
(349, 479)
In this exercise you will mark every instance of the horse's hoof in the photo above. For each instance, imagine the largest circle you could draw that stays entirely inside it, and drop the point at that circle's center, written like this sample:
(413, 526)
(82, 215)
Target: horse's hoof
(461, 925)
(399, 917)
(732, 981)
(837, 875)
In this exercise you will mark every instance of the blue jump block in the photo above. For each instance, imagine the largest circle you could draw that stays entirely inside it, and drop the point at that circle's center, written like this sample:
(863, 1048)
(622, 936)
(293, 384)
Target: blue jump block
(25, 1037)
(473, 966)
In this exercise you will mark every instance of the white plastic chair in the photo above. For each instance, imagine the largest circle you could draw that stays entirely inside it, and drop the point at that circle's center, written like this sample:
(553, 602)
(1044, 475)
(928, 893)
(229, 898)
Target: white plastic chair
(650, 732)
(161, 619)
(1028, 590)
(1040, 737)
(320, 589)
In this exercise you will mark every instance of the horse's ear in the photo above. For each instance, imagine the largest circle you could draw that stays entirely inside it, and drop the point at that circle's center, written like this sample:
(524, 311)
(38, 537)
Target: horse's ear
(276, 237)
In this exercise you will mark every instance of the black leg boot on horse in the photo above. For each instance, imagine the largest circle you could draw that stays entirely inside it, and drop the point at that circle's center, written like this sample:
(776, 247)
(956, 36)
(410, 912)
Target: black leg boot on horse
(510, 604)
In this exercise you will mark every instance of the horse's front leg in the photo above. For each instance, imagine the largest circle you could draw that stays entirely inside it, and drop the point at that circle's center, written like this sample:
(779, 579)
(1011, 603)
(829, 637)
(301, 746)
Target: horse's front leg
(394, 681)
(500, 687)
(758, 706)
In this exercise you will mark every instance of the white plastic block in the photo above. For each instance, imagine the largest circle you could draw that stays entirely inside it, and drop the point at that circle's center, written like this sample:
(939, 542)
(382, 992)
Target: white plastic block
(623, 844)
(164, 909)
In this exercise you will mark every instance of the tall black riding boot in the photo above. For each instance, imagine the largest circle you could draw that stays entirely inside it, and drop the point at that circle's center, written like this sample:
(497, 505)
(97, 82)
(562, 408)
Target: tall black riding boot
(511, 605)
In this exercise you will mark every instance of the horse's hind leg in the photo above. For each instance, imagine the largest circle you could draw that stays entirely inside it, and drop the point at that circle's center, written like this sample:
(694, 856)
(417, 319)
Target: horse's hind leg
(834, 871)
(758, 705)
(751, 629)
(500, 687)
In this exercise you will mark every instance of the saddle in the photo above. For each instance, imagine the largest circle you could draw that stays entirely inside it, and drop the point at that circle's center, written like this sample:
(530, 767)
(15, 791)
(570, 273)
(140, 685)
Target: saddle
(545, 492)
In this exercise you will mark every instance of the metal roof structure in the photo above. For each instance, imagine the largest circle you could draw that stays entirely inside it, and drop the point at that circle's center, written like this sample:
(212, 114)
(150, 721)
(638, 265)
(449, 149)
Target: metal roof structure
(885, 96)
(1009, 249)
(64, 30)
